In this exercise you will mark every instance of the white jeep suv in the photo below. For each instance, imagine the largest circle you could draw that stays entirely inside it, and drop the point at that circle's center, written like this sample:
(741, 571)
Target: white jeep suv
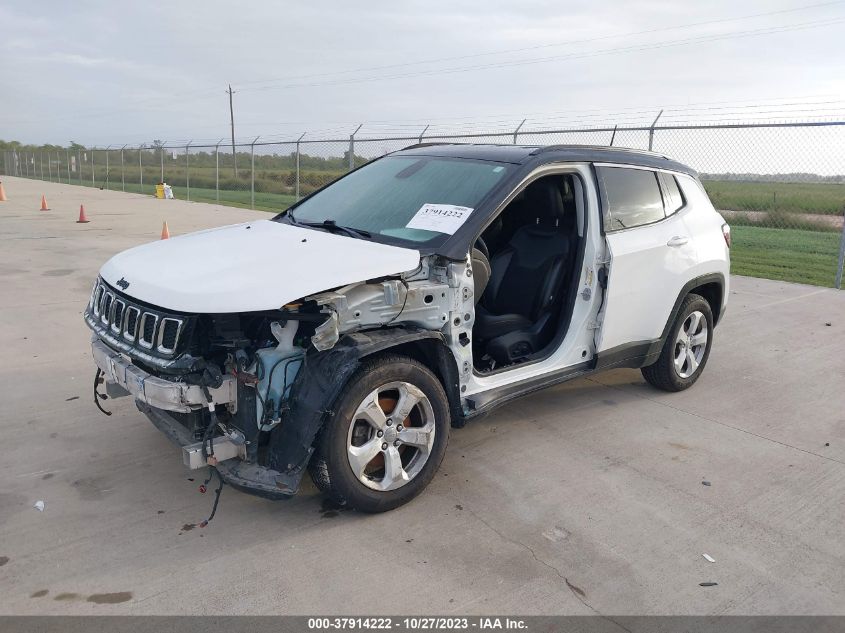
(346, 335)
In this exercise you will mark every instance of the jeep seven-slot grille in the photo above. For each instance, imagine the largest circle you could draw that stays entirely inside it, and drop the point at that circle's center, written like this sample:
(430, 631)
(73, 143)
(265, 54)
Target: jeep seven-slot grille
(133, 323)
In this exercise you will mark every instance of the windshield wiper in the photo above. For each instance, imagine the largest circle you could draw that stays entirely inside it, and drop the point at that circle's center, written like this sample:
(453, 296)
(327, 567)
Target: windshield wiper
(331, 226)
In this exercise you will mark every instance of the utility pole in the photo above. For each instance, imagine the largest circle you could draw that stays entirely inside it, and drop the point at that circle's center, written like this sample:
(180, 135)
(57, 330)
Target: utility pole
(232, 119)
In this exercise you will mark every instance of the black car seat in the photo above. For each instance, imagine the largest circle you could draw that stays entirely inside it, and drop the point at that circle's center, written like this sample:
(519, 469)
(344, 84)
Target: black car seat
(514, 315)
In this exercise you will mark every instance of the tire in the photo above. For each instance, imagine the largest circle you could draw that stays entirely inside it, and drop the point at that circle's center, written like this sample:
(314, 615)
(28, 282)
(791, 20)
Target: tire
(351, 463)
(681, 361)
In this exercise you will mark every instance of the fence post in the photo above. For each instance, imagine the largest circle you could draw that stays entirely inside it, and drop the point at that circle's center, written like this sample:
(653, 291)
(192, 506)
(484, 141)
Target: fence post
(58, 166)
(188, 170)
(141, 166)
(161, 157)
(67, 151)
(252, 173)
(518, 128)
(217, 170)
(352, 147)
(41, 163)
(298, 141)
(49, 168)
(93, 180)
(122, 172)
(107, 166)
(841, 260)
(651, 131)
(425, 129)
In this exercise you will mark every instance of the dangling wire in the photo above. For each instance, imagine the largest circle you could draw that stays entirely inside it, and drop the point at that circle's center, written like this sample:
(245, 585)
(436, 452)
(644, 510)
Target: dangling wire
(208, 437)
(97, 395)
(217, 492)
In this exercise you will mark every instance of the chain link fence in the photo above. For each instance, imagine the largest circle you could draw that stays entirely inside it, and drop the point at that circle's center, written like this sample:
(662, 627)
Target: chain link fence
(780, 185)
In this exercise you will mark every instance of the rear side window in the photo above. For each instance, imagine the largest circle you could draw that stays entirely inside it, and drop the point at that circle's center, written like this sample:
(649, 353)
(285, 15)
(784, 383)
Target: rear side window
(672, 198)
(631, 197)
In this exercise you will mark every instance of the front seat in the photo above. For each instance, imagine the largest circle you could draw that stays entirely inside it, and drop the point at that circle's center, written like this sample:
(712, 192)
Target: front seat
(514, 316)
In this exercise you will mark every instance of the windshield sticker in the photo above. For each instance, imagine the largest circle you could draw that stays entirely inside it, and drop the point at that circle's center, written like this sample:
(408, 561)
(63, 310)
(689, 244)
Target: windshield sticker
(442, 218)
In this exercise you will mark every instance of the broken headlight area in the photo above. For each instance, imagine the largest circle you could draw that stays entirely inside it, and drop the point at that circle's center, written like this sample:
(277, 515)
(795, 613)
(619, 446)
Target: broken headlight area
(225, 391)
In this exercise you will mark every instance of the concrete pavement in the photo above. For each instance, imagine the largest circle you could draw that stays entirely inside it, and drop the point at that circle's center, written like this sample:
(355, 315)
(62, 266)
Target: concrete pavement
(584, 498)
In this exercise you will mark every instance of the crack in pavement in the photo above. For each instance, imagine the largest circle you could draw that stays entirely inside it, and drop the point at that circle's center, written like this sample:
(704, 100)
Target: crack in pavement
(575, 590)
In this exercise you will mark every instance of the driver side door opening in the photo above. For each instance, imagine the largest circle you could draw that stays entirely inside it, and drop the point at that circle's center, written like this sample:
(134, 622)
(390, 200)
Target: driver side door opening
(526, 266)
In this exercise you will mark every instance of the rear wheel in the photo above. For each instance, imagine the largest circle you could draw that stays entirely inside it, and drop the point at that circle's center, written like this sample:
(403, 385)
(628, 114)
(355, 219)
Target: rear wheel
(387, 437)
(686, 349)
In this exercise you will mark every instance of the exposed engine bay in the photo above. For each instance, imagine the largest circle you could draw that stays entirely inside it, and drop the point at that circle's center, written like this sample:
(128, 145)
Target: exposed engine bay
(247, 393)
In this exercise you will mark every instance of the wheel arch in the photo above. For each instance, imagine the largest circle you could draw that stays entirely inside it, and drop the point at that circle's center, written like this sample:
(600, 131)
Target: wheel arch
(710, 286)
(714, 292)
(434, 354)
(325, 375)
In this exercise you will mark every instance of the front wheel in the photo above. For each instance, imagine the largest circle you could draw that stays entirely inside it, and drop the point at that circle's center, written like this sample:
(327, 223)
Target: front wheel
(686, 348)
(387, 437)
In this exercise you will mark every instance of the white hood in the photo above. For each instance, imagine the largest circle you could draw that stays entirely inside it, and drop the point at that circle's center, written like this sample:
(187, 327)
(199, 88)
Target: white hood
(248, 267)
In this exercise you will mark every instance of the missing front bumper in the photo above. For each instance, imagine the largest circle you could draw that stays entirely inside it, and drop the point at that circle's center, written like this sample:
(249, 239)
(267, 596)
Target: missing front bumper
(158, 392)
(248, 477)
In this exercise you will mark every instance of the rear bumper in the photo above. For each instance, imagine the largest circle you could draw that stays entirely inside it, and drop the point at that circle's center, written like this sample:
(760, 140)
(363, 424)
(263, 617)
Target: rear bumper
(158, 392)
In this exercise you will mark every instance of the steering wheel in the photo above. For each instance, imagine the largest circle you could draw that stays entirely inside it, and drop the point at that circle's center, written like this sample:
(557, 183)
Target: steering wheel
(481, 245)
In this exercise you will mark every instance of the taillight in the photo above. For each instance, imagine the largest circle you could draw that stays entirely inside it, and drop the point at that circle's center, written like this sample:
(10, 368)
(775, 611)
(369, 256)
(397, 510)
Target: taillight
(726, 233)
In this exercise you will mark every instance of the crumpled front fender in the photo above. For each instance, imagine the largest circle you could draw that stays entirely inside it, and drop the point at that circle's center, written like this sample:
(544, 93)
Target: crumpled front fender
(319, 384)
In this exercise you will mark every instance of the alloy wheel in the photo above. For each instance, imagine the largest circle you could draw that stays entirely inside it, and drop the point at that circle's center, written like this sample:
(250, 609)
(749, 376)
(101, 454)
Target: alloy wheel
(391, 436)
(690, 344)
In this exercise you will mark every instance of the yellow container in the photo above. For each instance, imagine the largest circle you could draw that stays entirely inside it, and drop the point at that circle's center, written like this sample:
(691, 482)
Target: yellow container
(160, 191)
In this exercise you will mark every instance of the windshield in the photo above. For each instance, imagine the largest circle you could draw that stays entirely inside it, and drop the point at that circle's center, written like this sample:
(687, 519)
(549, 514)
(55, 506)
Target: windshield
(405, 198)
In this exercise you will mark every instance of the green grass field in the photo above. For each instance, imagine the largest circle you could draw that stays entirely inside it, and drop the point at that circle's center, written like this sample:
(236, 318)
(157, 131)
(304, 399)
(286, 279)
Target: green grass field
(808, 257)
(263, 201)
(786, 197)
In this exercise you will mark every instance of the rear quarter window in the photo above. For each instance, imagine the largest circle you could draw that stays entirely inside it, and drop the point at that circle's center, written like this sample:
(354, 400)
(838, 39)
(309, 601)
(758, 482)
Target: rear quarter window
(673, 200)
(631, 197)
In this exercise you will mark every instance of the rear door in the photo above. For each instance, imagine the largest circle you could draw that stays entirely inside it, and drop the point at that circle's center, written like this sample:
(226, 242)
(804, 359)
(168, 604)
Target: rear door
(651, 253)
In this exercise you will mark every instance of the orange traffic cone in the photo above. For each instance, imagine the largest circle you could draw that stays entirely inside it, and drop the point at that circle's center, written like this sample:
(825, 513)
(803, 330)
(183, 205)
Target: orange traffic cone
(44, 206)
(165, 232)
(2, 193)
(82, 219)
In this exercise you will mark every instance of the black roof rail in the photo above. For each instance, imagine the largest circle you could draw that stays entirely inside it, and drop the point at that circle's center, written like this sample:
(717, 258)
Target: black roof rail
(431, 144)
(605, 148)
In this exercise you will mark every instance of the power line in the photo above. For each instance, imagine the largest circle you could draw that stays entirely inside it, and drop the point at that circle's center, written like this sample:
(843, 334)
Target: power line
(542, 60)
(544, 46)
(200, 94)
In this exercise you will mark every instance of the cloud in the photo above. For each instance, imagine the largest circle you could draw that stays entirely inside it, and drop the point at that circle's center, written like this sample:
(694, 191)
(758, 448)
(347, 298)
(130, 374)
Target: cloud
(77, 59)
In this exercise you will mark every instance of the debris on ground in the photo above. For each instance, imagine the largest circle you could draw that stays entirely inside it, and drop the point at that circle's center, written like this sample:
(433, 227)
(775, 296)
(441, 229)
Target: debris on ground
(39, 505)
(708, 584)
(827, 443)
(709, 558)
(705, 483)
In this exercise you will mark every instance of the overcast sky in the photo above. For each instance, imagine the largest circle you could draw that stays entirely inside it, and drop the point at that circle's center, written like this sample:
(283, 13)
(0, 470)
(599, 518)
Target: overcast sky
(117, 72)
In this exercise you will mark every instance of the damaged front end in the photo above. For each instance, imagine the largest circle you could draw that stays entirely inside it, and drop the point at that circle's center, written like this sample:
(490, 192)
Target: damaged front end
(248, 393)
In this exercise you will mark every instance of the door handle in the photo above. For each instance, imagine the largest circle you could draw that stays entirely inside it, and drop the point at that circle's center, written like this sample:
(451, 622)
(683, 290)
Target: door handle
(678, 240)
